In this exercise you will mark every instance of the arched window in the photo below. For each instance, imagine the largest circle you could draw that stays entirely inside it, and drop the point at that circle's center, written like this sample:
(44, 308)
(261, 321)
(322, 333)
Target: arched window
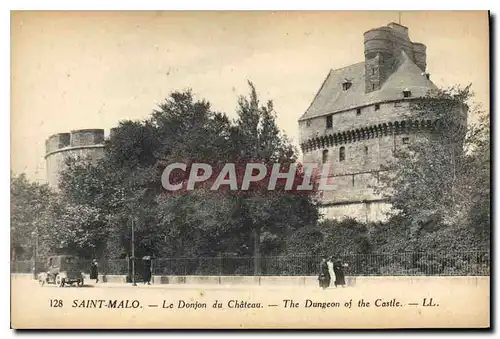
(324, 159)
(342, 153)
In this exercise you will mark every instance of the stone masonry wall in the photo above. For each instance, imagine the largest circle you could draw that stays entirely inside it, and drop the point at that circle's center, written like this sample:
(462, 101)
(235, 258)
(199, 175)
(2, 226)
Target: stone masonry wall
(350, 119)
(55, 162)
(84, 143)
(356, 175)
(367, 211)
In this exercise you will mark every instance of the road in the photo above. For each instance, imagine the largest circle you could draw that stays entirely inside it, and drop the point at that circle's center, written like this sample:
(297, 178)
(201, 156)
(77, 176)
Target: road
(387, 303)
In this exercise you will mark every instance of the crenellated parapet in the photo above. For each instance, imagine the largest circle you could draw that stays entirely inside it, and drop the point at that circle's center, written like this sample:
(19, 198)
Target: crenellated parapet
(366, 133)
(82, 138)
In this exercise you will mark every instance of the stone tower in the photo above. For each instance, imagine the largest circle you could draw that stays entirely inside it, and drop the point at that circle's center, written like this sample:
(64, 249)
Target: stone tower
(85, 143)
(359, 117)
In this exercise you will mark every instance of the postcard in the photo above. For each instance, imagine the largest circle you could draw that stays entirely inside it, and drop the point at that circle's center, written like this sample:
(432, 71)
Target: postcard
(250, 170)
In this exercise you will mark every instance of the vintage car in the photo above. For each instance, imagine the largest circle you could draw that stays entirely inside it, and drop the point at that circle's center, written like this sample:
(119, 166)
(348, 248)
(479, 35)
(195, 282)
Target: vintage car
(62, 270)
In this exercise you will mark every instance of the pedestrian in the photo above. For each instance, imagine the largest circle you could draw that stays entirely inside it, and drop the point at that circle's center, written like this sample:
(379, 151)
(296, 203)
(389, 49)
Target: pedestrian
(94, 274)
(338, 269)
(330, 270)
(147, 272)
(324, 276)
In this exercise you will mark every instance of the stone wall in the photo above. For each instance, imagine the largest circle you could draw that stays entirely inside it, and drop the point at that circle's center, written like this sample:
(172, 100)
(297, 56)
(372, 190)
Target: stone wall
(351, 119)
(389, 40)
(292, 280)
(363, 211)
(55, 162)
(356, 175)
(86, 143)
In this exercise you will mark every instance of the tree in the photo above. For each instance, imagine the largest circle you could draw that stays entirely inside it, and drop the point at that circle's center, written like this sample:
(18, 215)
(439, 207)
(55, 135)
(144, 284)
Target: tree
(126, 183)
(28, 213)
(477, 180)
(73, 229)
(44, 223)
(435, 180)
(258, 139)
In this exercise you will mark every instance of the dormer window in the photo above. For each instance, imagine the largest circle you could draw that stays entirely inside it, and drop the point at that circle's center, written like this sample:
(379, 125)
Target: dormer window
(346, 85)
(406, 93)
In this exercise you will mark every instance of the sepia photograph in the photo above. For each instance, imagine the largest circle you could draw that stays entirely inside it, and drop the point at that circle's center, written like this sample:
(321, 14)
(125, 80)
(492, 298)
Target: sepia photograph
(250, 170)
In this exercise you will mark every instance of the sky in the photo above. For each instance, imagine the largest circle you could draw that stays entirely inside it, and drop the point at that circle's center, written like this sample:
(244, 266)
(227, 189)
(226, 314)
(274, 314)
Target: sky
(76, 70)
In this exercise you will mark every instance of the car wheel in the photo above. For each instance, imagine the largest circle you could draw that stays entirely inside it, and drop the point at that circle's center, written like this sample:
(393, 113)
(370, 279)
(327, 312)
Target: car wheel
(79, 283)
(59, 281)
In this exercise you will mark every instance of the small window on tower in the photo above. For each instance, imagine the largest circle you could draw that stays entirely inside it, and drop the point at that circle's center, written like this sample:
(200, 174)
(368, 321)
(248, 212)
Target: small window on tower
(406, 140)
(377, 107)
(358, 111)
(342, 153)
(373, 71)
(308, 123)
(324, 158)
(373, 86)
(329, 121)
(366, 150)
(406, 93)
(346, 85)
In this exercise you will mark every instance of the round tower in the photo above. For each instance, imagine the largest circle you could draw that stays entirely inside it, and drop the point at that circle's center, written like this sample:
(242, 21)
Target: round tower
(84, 143)
(379, 41)
(420, 54)
(355, 130)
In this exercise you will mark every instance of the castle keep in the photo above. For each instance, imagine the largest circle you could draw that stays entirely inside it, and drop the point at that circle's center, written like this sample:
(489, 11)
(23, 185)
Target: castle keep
(355, 122)
(85, 143)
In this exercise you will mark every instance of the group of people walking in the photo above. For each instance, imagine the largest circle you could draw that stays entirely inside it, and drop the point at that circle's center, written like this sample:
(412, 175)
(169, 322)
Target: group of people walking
(331, 273)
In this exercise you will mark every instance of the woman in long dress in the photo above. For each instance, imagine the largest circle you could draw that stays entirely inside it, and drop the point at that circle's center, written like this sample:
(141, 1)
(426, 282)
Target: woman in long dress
(339, 273)
(324, 275)
(93, 271)
(147, 272)
(330, 270)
